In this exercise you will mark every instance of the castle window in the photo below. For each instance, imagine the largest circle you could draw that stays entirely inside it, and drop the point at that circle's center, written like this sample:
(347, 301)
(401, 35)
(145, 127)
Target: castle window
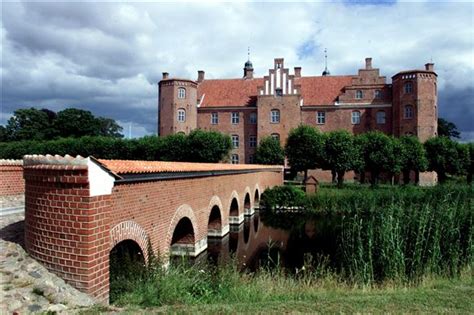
(251, 159)
(408, 88)
(408, 112)
(214, 118)
(279, 92)
(181, 115)
(355, 119)
(181, 92)
(380, 117)
(234, 117)
(252, 141)
(235, 159)
(359, 94)
(321, 118)
(276, 136)
(378, 94)
(235, 141)
(253, 118)
(275, 116)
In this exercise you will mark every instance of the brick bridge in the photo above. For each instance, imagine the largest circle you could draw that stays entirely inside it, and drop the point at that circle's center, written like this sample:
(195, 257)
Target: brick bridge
(78, 209)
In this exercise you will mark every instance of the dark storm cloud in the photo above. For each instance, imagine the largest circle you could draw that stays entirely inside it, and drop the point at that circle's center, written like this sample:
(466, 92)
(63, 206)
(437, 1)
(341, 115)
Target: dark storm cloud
(108, 57)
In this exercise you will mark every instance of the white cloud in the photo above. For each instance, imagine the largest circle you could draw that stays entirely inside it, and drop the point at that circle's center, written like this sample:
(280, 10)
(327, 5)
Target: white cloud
(109, 57)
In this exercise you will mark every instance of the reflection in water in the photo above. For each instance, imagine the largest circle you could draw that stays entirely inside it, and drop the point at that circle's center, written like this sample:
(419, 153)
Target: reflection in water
(286, 240)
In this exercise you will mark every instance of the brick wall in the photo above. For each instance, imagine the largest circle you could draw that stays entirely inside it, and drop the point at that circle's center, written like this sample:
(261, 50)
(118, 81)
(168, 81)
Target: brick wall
(11, 178)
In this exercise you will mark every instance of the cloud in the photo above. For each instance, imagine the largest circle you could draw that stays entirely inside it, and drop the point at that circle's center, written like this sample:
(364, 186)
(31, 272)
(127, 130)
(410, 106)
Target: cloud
(108, 57)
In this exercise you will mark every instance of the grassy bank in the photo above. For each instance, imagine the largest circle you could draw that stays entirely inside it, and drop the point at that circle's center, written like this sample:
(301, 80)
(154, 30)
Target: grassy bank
(384, 250)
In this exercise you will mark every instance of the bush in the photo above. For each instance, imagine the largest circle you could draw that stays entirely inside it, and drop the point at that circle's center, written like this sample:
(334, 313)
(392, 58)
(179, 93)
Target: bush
(282, 197)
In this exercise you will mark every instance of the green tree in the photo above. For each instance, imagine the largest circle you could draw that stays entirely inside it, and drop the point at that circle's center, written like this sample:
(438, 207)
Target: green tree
(341, 153)
(447, 129)
(305, 149)
(73, 122)
(470, 168)
(208, 146)
(109, 128)
(29, 124)
(443, 157)
(3, 134)
(381, 154)
(413, 158)
(269, 151)
(174, 147)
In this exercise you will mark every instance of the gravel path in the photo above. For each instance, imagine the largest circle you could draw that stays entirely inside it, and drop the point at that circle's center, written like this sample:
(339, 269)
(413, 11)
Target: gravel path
(25, 285)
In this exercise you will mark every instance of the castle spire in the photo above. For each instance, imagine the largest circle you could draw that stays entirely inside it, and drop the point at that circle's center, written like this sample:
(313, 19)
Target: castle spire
(248, 68)
(326, 71)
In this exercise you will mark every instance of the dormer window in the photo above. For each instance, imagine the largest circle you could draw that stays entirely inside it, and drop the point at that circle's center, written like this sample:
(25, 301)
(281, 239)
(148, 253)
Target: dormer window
(181, 93)
(279, 92)
(359, 94)
(408, 88)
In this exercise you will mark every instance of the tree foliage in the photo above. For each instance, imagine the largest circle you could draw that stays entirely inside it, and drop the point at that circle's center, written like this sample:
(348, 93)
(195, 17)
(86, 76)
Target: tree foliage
(341, 153)
(413, 157)
(269, 151)
(447, 129)
(443, 157)
(305, 148)
(208, 146)
(45, 124)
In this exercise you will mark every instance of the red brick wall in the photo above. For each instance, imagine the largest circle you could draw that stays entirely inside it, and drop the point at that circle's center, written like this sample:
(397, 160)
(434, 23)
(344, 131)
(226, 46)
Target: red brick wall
(157, 206)
(11, 179)
(65, 229)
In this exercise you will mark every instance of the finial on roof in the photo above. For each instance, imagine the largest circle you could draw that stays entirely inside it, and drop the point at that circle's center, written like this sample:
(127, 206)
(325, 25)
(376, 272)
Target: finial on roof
(326, 71)
(248, 64)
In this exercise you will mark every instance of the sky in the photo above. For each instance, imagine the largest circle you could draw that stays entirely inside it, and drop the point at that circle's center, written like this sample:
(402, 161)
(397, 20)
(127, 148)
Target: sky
(108, 57)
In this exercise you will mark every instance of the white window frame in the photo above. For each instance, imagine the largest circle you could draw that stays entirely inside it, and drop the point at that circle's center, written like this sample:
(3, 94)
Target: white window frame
(355, 117)
(275, 116)
(181, 115)
(253, 118)
(359, 95)
(235, 141)
(381, 117)
(234, 159)
(320, 117)
(251, 159)
(252, 141)
(214, 118)
(234, 118)
(408, 112)
(275, 136)
(181, 93)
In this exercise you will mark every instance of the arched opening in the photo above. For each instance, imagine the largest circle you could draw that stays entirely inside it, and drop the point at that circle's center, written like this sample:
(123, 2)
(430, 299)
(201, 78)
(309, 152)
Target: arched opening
(214, 226)
(234, 208)
(247, 205)
(126, 265)
(256, 199)
(183, 239)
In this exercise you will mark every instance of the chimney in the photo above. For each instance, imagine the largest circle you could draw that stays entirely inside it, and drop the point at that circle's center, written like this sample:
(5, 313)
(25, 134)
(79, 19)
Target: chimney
(165, 75)
(429, 66)
(368, 63)
(297, 72)
(200, 76)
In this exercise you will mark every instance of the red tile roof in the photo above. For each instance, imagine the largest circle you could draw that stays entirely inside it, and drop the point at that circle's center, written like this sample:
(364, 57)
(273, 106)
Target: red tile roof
(322, 90)
(140, 167)
(229, 92)
(243, 92)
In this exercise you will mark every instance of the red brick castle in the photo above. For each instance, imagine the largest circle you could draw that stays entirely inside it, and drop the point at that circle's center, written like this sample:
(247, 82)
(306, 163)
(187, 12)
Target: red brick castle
(250, 108)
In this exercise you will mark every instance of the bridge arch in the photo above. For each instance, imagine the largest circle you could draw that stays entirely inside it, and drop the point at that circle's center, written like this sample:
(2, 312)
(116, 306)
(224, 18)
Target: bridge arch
(256, 196)
(183, 233)
(248, 204)
(236, 215)
(130, 230)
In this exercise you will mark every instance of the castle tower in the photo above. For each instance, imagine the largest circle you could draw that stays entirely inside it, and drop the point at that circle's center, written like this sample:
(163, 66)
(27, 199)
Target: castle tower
(415, 101)
(177, 105)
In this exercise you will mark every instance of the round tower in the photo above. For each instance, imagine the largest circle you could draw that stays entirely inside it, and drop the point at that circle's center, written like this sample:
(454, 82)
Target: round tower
(177, 105)
(415, 103)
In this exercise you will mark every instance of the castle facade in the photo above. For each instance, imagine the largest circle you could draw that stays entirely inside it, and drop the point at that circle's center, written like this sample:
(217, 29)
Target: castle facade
(250, 108)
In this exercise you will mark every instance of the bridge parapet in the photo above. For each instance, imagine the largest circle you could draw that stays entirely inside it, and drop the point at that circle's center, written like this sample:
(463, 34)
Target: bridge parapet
(77, 209)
